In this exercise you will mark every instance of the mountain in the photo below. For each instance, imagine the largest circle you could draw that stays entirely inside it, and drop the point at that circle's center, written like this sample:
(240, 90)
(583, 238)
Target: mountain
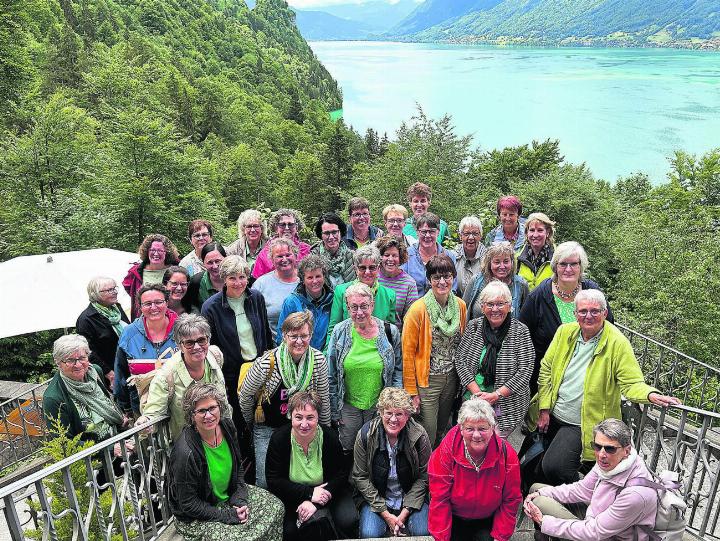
(631, 22)
(352, 21)
(318, 25)
(434, 12)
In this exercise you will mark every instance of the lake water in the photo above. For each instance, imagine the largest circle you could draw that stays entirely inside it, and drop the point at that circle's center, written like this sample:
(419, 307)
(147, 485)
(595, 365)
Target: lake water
(618, 110)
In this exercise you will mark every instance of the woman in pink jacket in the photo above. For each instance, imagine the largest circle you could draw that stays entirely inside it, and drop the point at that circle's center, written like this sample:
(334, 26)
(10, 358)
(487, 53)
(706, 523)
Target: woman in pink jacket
(474, 480)
(619, 504)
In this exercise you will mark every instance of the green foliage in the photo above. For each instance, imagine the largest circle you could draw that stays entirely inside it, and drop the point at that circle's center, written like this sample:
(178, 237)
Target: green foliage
(28, 356)
(57, 449)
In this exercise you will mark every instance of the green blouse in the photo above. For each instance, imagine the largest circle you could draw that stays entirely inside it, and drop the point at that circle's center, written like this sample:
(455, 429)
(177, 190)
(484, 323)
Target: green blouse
(363, 372)
(565, 309)
(306, 469)
(220, 468)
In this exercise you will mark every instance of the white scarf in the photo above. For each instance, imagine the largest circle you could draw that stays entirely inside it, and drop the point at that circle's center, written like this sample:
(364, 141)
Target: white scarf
(624, 465)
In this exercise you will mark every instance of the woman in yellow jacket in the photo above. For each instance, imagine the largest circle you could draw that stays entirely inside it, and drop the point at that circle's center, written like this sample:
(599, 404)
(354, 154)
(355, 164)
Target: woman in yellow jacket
(534, 259)
(431, 332)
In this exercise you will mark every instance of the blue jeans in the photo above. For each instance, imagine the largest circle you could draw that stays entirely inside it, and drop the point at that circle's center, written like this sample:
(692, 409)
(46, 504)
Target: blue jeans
(261, 439)
(372, 524)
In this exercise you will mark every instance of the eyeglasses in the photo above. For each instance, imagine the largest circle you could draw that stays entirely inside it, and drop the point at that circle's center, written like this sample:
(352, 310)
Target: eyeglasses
(331, 233)
(212, 410)
(427, 232)
(360, 215)
(495, 305)
(437, 278)
(366, 268)
(75, 360)
(392, 415)
(190, 344)
(287, 225)
(156, 251)
(200, 235)
(298, 337)
(480, 429)
(594, 312)
(252, 226)
(359, 307)
(474, 234)
(569, 264)
(609, 449)
(110, 290)
(176, 285)
(148, 304)
(394, 221)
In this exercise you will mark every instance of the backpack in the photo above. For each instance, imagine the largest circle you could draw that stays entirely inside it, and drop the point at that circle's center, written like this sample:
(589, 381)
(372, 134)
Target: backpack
(670, 517)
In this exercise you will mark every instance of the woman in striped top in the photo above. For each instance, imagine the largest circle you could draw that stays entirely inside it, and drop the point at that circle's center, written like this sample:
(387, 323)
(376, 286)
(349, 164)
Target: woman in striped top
(275, 377)
(495, 358)
(394, 253)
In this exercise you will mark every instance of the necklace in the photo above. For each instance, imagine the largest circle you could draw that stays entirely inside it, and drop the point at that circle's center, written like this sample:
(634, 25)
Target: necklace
(472, 462)
(564, 295)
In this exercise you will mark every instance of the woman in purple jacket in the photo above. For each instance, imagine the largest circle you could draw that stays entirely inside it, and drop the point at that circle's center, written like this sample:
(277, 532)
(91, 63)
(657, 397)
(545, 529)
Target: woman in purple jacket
(620, 502)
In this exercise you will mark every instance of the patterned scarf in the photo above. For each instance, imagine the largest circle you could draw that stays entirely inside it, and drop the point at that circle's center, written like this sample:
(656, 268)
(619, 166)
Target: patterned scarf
(112, 313)
(296, 376)
(88, 394)
(446, 320)
(535, 261)
(337, 261)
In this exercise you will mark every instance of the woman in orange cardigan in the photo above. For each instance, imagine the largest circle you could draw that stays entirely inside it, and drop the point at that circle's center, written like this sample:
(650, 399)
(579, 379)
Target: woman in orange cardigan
(431, 333)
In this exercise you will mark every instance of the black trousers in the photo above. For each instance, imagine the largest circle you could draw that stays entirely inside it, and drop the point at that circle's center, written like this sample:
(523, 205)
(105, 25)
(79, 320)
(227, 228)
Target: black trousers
(465, 529)
(339, 520)
(563, 457)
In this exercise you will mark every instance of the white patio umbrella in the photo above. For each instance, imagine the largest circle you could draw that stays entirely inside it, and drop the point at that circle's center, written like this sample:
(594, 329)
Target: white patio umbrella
(49, 291)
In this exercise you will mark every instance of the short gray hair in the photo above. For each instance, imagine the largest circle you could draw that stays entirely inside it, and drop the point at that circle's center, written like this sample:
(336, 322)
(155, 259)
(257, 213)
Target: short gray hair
(233, 264)
(196, 392)
(281, 241)
(569, 249)
(95, 285)
(312, 262)
(615, 430)
(494, 289)
(476, 409)
(188, 324)
(592, 295)
(68, 344)
(359, 289)
(245, 217)
(369, 251)
(275, 219)
(470, 221)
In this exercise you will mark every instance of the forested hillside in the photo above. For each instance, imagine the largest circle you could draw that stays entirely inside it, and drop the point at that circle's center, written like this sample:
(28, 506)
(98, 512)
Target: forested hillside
(123, 117)
(611, 22)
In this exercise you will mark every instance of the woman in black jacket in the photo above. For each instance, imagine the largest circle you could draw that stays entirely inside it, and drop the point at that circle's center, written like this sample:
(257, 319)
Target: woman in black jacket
(208, 494)
(552, 303)
(101, 323)
(304, 468)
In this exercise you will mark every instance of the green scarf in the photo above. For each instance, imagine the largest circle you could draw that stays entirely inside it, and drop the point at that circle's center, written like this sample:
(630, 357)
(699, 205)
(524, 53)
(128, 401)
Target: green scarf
(296, 377)
(339, 261)
(88, 394)
(112, 313)
(446, 320)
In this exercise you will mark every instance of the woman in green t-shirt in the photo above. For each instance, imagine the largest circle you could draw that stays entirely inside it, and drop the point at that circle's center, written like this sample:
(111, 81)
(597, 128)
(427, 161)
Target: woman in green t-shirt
(208, 495)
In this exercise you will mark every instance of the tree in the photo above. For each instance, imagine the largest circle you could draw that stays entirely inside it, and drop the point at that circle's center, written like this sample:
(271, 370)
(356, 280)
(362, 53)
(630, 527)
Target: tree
(338, 164)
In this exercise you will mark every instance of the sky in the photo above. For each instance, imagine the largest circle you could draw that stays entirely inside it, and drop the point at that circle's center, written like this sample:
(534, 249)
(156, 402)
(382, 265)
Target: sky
(320, 3)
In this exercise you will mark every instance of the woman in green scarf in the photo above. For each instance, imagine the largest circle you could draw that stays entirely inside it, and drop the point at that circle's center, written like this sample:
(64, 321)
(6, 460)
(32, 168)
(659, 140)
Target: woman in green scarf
(431, 333)
(101, 323)
(292, 367)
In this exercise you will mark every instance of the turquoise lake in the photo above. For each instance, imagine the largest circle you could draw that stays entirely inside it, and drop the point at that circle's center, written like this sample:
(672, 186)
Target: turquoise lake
(618, 110)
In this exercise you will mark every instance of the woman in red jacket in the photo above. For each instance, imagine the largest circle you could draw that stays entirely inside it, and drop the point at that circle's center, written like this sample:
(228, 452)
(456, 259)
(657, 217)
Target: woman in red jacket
(474, 480)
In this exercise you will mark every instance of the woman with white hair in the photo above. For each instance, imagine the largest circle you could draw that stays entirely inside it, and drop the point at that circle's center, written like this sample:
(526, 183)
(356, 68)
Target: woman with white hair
(252, 236)
(102, 323)
(469, 253)
(495, 358)
(77, 396)
(364, 356)
(620, 492)
(552, 303)
(474, 480)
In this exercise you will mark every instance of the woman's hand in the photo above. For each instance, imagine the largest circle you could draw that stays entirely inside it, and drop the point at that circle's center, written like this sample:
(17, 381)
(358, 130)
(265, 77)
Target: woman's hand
(243, 513)
(392, 521)
(320, 495)
(532, 511)
(543, 421)
(305, 510)
(129, 445)
(663, 400)
(400, 523)
(490, 398)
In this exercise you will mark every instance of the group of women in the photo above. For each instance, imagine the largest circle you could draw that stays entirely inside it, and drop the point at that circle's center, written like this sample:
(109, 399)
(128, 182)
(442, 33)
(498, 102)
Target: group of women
(299, 367)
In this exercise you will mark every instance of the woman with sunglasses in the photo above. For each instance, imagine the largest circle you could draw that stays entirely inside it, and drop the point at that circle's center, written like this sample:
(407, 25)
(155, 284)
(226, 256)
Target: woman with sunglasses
(195, 361)
(284, 223)
(620, 492)
(102, 323)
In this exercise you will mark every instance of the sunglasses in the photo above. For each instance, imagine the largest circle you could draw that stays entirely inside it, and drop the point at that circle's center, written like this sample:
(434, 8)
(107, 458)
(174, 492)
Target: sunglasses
(609, 449)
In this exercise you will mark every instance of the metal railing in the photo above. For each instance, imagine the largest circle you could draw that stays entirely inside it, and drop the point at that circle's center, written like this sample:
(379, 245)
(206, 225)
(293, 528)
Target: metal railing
(98, 493)
(22, 425)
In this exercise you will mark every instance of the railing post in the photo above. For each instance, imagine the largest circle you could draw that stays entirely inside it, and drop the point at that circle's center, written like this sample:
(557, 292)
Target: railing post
(12, 519)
